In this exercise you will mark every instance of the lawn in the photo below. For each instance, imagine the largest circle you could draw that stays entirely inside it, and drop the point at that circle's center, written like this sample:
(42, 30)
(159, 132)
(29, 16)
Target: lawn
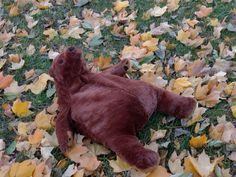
(188, 47)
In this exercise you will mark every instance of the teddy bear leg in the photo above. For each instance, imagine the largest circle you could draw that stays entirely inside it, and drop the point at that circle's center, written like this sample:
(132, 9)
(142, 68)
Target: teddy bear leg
(128, 148)
(175, 105)
(118, 69)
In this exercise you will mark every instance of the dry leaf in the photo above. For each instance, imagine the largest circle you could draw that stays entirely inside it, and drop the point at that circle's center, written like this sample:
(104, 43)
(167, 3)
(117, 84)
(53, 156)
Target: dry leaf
(5, 81)
(2, 62)
(39, 85)
(198, 142)
(14, 89)
(119, 165)
(37, 137)
(30, 50)
(157, 11)
(43, 120)
(120, 5)
(204, 11)
(132, 52)
(202, 164)
(30, 21)
(89, 162)
(21, 108)
(14, 11)
(155, 135)
(75, 152)
(102, 62)
(23, 169)
(232, 156)
(172, 5)
(50, 33)
(181, 84)
(159, 171)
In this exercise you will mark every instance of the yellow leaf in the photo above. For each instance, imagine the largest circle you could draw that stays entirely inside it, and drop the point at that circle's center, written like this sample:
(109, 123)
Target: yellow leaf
(181, 84)
(37, 137)
(190, 168)
(103, 62)
(41, 170)
(50, 33)
(21, 108)
(39, 85)
(120, 5)
(43, 120)
(198, 142)
(204, 11)
(233, 109)
(159, 171)
(151, 44)
(180, 64)
(23, 169)
(119, 165)
(202, 164)
(14, 11)
(23, 128)
(183, 36)
(146, 36)
(229, 88)
(214, 22)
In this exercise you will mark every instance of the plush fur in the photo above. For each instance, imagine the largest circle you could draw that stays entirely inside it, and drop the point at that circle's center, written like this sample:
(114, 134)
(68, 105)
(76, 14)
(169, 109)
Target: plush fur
(109, 108)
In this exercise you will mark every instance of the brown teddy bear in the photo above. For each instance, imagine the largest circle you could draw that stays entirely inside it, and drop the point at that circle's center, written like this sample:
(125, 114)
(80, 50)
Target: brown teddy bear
(109, 108)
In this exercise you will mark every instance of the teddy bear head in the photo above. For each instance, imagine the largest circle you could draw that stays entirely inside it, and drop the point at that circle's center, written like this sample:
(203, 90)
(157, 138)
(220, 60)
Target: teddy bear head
(67, 65)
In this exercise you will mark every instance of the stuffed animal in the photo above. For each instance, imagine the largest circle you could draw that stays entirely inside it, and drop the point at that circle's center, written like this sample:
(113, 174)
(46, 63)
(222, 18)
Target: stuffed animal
(109, 108)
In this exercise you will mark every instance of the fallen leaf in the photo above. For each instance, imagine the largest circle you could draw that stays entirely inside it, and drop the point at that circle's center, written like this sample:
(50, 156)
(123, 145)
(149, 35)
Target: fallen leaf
(14, 89)
(23, 169)
(102, 62)
(198, 142)
(232, 156)
(120, 5)
(14, 11)
(119, 165)
(37, 137)
(75, 152)
(159, 171)
(39, 85)
(43, 120)
(30, 50)
(157, 11)
(5, 81)
(31, 22)
(2, 62)
(21, 108)
(132, 52)
(202, 164)
(71, 170)
(50, 33)
(155, 135)
(172, 5)
(89, 162)
(204, 11)
(181, 84)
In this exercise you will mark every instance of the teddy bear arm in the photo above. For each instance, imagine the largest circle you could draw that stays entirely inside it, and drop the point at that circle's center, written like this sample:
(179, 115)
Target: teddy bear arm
(64, 131)
(175, 105)
(118, 69)
(128, 148)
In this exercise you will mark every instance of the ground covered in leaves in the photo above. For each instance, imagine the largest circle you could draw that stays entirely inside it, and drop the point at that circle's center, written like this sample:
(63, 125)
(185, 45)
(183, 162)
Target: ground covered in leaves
(185, 46)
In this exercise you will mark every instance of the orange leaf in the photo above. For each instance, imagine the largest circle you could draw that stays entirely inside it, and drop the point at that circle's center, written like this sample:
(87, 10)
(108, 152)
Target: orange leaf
(103, 62)
(159, 171)
(5, 81)
(37, 137)
(204, 11)
(198, 142)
